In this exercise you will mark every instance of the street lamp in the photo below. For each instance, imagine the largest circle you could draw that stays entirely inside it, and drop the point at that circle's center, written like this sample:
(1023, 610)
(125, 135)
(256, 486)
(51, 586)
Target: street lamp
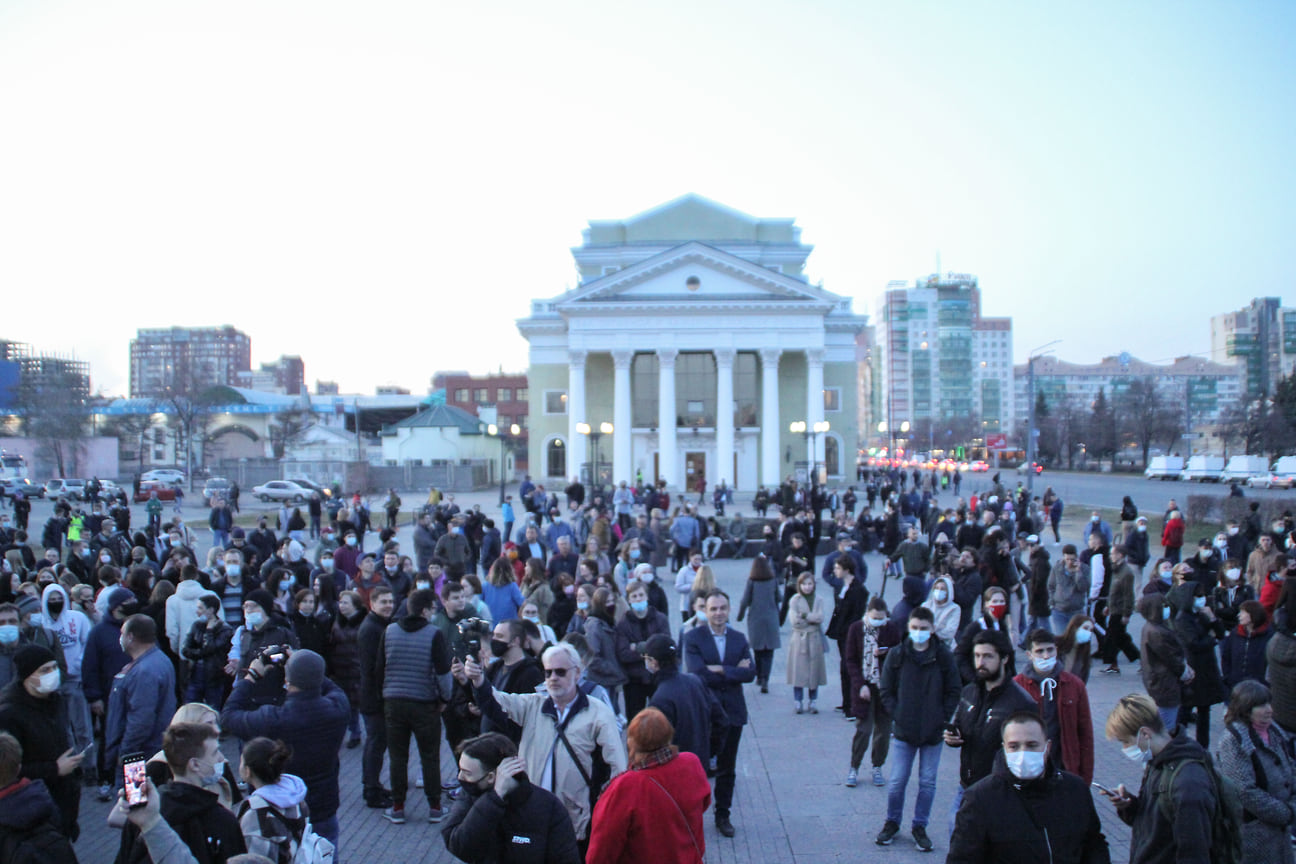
(604, 428)
(812, 432)
(494, 431)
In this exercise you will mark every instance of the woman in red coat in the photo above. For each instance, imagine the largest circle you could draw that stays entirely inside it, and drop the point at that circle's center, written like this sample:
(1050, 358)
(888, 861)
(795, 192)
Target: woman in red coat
(653, 812)
(1172, 536)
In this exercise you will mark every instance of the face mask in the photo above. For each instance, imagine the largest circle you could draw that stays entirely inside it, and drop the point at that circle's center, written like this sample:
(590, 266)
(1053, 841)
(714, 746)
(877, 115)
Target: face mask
(873, 621)
(998, 610)
(1044, 666)
(1143, 528)
(456, 530)
(1233, 574)
(1278, 528)
(1165, 613)
(218, 771)
(1165, 575)
(569, 590)
(940, 596)
(1232, 530)
(582, 604)
(640, 608)
(85, 553)
(105, 559)
(499, 647)
(1135, 753)
(1199, 602)
(327, 564)
(1083, 637)
(233, 569)
(920, 637)
(1095, 519)
(634, 553)
(1204, 554)
(49, 682)
(1025, 764)
(423, 586)
(175, 542)
(255, 619)
(8, 634)
(55, 606)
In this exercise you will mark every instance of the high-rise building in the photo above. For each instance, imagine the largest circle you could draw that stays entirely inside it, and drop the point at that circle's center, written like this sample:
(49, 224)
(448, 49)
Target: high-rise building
(508, 393)
(23, 370)
(1262, 338)
(287, 375)
(938, 360)
(187, 359)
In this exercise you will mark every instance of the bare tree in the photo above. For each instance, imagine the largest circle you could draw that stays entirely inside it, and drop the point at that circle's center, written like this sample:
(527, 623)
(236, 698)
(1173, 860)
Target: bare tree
(1146, 417)
(285, 428)
(54, 414)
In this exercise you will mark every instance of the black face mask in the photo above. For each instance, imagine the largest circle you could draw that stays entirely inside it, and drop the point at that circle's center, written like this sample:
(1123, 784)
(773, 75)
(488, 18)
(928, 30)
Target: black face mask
(499, 647)
(55, 607)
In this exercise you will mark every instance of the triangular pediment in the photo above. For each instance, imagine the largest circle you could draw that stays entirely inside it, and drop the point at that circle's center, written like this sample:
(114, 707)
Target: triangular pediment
(696, 271)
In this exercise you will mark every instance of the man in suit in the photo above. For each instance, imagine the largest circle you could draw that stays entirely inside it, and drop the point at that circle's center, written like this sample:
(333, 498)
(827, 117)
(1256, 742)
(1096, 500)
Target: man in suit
(721, 657)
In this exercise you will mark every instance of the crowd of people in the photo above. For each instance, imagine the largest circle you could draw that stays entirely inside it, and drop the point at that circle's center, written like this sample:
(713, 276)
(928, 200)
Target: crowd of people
(593, 719)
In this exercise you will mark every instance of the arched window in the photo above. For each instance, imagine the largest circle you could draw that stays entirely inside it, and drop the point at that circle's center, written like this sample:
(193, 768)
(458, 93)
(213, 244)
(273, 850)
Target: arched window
(556, 458)
(832, 455)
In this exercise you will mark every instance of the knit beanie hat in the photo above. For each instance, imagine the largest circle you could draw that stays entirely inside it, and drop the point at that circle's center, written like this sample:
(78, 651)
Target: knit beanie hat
(29, 658)
(305, 670)
(262, 598)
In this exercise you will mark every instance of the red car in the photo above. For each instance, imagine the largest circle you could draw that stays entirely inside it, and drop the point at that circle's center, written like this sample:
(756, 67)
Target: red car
(148, 487)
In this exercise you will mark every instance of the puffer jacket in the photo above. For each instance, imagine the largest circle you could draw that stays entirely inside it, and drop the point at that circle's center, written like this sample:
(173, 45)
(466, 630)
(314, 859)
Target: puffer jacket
(344, 656)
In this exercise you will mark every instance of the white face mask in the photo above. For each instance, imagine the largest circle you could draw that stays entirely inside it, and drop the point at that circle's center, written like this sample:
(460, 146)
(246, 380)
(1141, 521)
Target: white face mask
(940, 596)
(1083, 636)
(49, 682)
(1025, 764)
(920, 637)
(648, 578)
(1136, 753)
(1233, 574)
(1044, 665)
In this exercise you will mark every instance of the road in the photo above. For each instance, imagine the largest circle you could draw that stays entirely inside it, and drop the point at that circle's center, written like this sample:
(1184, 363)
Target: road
(1105, 490)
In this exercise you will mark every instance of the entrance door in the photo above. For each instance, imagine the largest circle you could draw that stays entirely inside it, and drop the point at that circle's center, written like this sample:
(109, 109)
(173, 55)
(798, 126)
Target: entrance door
(694, 471)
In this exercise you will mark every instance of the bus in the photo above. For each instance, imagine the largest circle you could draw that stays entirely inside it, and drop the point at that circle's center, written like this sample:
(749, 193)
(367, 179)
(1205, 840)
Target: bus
(12, 467)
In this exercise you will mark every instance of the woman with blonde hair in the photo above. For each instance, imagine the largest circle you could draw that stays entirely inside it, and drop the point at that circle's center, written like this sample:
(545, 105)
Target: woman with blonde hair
(159, 771)
(703, 583)
(805, 661)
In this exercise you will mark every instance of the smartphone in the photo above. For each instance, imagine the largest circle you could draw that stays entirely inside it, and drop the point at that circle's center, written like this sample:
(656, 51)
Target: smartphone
(953, 729)
(86, 752)
(1103, 789)
(136, 780)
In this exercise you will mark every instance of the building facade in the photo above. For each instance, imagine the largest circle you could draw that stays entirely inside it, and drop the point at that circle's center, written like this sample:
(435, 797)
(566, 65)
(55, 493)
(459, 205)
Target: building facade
(691, 344)
(287, 375)
(938, 359)
(1203, 391)
(1261, 338)
(509, 395)
(25, 372)
(189, 359)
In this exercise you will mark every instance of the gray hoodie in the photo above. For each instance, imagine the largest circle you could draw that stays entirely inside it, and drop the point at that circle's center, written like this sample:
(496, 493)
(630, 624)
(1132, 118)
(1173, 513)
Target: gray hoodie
(263, 830)
(71, 627)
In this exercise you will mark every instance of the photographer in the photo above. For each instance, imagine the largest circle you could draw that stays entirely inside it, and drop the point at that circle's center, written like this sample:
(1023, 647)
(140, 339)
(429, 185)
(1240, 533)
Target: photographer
(512, 671)
(262, 628)
(312, 721)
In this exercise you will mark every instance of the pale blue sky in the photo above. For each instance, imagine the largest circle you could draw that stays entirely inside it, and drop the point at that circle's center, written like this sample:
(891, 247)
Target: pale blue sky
(382, 187)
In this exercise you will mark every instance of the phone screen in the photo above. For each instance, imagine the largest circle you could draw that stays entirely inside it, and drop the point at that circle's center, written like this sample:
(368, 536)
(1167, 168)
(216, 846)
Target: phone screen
(136, 780)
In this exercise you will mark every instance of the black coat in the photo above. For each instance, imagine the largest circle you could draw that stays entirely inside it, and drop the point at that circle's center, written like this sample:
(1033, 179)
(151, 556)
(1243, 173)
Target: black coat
(1003, 820)
(29, 812)
(1242, 657)
(1154, 839)
(530, 826)
(211, 832)
(41, 727)
(1199, 638)
(692, 709)
(981, 714)
(920, 690)
(963, 647)
(368, 641)
(847, 610)
(209, 646)
(633, 630)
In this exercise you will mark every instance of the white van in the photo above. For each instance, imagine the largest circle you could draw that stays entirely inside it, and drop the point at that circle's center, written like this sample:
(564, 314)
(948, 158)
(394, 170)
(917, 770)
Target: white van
(1204, 469)
(1164, 468)
(1243, 468)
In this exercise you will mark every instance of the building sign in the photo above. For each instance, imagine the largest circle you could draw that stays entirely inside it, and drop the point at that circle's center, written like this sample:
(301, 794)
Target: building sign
(997, 442)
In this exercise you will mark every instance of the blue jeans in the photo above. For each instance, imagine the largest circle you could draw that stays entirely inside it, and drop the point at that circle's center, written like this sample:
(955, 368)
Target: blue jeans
(1060, 620)
(1034, 623)
(903, 753)
(328, 829)
(954, 807)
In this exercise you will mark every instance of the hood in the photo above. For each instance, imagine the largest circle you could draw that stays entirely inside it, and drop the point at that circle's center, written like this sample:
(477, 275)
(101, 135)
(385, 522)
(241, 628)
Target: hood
(190, 589)
(183, 801)
(1181, 746)
(26, 804)
(412, 623)
(949, 592)
(1258, 631)
(50, 591)
(913, 588)
(288, 792)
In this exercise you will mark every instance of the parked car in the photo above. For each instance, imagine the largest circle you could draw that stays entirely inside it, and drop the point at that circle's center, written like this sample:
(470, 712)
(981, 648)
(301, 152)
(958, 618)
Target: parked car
(165, 491)
(1036, 467)
(282, 490)
(312, 485)
(65, 487)
(174, 476)
(108, 489)
(11, 485)
(215, 486)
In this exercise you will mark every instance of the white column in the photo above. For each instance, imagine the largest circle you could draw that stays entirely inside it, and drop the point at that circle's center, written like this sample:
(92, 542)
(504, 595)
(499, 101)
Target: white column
(770, 417)
(577, 444)
(667, 444)
(814, 402)
(621, 432)
(724, 358)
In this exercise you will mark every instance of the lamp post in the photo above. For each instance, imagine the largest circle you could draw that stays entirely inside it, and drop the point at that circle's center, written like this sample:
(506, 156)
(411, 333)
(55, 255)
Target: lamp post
(811, 433)
(1031, 432)
(495, 432)
(904, 429)
(593, 434)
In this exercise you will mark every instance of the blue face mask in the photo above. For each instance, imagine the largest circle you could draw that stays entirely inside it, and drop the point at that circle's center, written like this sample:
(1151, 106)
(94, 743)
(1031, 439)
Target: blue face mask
(255, 620)
(1165, 575)
(233, 569)
(920, 637)
(634, 553)
(8, 634)
(581, 604)
(641, 607)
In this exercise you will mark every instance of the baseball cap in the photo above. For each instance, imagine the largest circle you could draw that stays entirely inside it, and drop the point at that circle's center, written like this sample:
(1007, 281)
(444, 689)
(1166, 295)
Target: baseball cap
(660, 647)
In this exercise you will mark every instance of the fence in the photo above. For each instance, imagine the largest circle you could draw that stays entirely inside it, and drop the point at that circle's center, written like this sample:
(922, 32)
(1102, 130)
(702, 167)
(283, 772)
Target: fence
(366, 478)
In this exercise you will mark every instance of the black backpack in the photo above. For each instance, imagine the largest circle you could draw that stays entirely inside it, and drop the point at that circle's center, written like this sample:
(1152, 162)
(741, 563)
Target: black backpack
(43, 844)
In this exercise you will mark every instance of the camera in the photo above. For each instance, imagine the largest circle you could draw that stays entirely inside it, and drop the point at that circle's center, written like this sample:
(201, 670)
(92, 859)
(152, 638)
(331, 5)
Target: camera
(471, 631)
(273, 655)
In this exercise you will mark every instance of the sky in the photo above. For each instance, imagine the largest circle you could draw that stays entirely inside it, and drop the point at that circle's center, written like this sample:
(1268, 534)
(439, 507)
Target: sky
(383, 187)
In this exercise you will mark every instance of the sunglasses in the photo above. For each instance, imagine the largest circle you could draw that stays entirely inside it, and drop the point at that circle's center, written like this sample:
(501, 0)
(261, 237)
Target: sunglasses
(561, 672)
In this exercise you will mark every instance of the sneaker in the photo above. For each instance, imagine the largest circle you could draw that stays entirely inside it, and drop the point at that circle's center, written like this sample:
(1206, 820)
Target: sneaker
(724, 826)
(878, 779)
(921, 840)
(436, 815)
(813, 709)
(852, 778)
(888, 833)
(395, 815)
(105, 792)
(799, 709)
(1111, 670)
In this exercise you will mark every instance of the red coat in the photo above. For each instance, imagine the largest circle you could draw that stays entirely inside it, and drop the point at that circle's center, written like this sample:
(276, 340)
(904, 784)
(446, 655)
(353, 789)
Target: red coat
(1269, 592)
(1073, 718)
(635, 822)
(1172, 534)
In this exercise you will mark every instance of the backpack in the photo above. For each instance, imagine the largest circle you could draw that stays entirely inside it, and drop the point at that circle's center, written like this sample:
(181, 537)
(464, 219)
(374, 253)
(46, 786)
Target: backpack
(304, 846)
(43, 844)
(1226, 821)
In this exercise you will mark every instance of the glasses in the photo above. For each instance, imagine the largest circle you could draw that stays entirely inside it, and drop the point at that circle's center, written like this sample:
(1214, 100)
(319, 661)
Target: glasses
(561, 672)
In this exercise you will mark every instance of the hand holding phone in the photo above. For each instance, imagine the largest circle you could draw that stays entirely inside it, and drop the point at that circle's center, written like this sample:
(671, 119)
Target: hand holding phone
(136, 780)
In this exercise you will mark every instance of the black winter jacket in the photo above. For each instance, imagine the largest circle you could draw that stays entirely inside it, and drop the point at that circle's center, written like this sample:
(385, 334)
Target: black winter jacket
(368, 641)
(529, 826)
(41, 727)
(981, 714)
(211, 832)
(1003, 820)
(1187, 839)
(692, 709)
(920, 690)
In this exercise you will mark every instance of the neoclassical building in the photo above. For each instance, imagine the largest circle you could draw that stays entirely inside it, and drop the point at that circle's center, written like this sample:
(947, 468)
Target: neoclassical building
(691, 345)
